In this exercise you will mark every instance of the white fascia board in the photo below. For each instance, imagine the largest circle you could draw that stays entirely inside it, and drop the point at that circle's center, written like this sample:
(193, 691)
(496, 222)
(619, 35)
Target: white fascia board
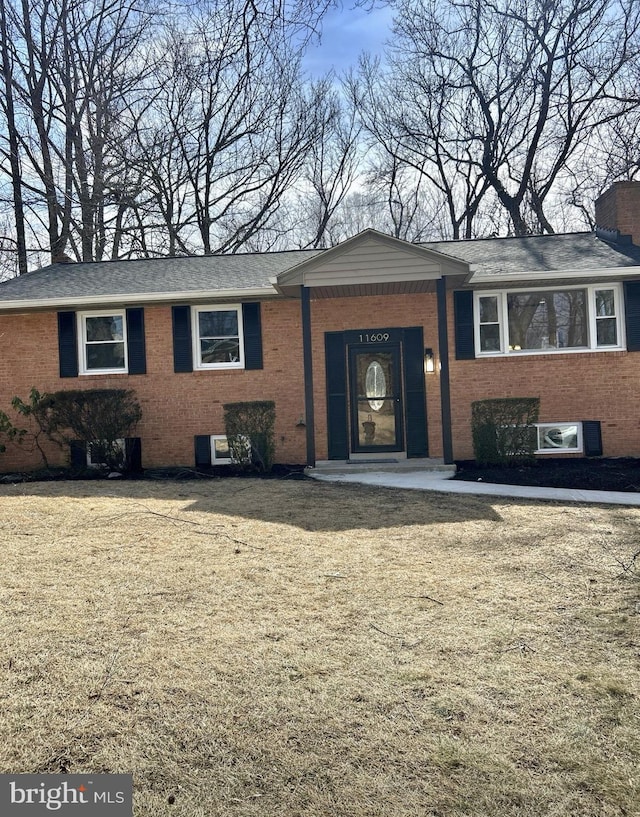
(29, 304)
(552, 275)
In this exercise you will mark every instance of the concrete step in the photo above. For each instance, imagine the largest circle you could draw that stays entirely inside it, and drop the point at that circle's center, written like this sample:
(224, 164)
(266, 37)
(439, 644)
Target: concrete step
(390, 466)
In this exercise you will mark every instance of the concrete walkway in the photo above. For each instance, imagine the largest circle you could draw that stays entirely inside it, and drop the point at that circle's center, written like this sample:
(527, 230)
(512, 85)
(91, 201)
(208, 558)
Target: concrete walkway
(433, 481)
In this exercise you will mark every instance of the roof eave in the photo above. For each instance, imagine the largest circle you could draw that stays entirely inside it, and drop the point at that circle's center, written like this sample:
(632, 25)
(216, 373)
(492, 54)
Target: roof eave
(498, 278)
(122, 299)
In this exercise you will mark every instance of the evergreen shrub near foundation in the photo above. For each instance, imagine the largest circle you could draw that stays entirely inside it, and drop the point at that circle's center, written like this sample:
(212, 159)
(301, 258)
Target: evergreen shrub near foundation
(504, 430)
(250, 430)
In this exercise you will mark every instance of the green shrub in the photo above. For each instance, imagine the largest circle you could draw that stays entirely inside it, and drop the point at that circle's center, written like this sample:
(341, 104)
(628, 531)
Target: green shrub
(96, 417)
(503, 430)
(250, 430)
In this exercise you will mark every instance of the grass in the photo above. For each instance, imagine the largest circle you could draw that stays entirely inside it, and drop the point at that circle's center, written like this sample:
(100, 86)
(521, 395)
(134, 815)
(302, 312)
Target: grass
(295, 648)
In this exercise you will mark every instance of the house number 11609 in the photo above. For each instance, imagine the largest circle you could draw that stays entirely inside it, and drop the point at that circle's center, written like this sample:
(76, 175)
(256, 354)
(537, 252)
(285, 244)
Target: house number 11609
(376, 337)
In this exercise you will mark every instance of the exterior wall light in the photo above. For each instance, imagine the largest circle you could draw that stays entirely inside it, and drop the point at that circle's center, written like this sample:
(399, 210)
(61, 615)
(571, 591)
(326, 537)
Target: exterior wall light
(429, 361)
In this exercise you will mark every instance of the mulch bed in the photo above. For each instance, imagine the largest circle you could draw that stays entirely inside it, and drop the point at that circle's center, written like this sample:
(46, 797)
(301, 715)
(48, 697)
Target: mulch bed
(612, 474)
(606, 474)
(173, 473)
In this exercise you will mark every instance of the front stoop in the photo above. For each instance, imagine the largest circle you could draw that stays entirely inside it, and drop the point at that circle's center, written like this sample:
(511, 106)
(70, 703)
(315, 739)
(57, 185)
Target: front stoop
(377, 466)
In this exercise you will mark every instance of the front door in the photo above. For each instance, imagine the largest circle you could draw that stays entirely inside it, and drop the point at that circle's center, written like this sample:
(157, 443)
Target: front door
(375, 384)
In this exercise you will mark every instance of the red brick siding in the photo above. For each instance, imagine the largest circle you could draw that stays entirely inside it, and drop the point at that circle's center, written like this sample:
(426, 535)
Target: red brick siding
(591, 386)
(175, 406)
(619, 209)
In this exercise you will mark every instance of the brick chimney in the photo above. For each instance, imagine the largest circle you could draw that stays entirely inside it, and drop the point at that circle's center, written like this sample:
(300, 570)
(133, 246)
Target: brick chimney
(618, 208)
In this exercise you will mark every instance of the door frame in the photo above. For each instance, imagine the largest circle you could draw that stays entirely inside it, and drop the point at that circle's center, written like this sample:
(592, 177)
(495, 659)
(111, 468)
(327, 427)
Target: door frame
(396, 394)
(338, 427)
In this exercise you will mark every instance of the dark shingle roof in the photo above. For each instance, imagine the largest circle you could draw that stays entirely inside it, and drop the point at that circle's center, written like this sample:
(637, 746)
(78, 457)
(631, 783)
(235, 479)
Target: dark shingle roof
(100, 279)
(498, 257)
(206, 276)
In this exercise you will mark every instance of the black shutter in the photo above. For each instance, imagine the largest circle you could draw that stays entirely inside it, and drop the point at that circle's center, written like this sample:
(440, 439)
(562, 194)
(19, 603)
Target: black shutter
(133, 454)
(252, 328)
(136, 352)
(203, 450)
(592, 438)
(78, 454)
(632, 314)
(463, 318)
(414, 393)
(182, 348)
(67, 344)
(337, 423)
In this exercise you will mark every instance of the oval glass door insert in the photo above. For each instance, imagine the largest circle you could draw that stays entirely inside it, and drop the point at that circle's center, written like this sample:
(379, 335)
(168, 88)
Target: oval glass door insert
(375, 385)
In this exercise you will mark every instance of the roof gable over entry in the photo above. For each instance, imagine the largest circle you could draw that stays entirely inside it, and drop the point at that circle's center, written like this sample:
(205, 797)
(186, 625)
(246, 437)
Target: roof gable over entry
(371, 263)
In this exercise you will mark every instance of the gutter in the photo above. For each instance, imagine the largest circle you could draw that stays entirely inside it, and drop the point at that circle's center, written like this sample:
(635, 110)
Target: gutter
(499, 278)
(116, 299)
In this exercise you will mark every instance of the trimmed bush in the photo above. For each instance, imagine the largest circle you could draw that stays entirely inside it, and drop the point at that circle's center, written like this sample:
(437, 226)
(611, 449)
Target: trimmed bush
(254, 422)
(503, 430)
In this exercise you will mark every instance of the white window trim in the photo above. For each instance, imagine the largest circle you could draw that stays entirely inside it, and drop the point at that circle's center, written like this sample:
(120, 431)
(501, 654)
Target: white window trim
(579, 447)
(195, 333)
(82, 341)
(503, 320)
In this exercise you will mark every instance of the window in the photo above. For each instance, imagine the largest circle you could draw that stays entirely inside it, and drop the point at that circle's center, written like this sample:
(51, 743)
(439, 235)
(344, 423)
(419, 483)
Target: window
(490, 340)
(103, 342)
(98, 452)
(551, 320)
(221, 453)
(218, 337)
(606, 317)
(559, 438)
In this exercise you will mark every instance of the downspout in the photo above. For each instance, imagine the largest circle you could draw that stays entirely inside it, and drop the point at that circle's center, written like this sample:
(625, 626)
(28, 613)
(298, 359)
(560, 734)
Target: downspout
(307, 358)
(445, 387)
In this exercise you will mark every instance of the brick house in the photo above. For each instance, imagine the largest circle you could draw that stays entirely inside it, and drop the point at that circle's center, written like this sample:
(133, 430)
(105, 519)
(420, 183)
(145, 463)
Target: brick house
(375, 348)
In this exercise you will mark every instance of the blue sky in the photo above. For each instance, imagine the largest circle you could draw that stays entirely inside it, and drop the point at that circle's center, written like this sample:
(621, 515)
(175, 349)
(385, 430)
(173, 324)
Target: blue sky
(346, 33)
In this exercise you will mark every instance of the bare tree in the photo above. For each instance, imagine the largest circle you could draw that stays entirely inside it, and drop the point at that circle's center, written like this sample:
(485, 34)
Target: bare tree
(137, 132)
(232, 122)
(332, 168)
(11, 151)
(72, 63)
(496, 99)
(415, 120)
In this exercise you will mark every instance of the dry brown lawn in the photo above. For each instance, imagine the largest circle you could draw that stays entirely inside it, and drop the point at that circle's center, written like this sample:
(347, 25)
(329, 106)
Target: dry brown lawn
(301, 649)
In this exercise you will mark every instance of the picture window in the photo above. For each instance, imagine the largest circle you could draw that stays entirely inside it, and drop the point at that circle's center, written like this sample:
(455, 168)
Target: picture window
(548, 321)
